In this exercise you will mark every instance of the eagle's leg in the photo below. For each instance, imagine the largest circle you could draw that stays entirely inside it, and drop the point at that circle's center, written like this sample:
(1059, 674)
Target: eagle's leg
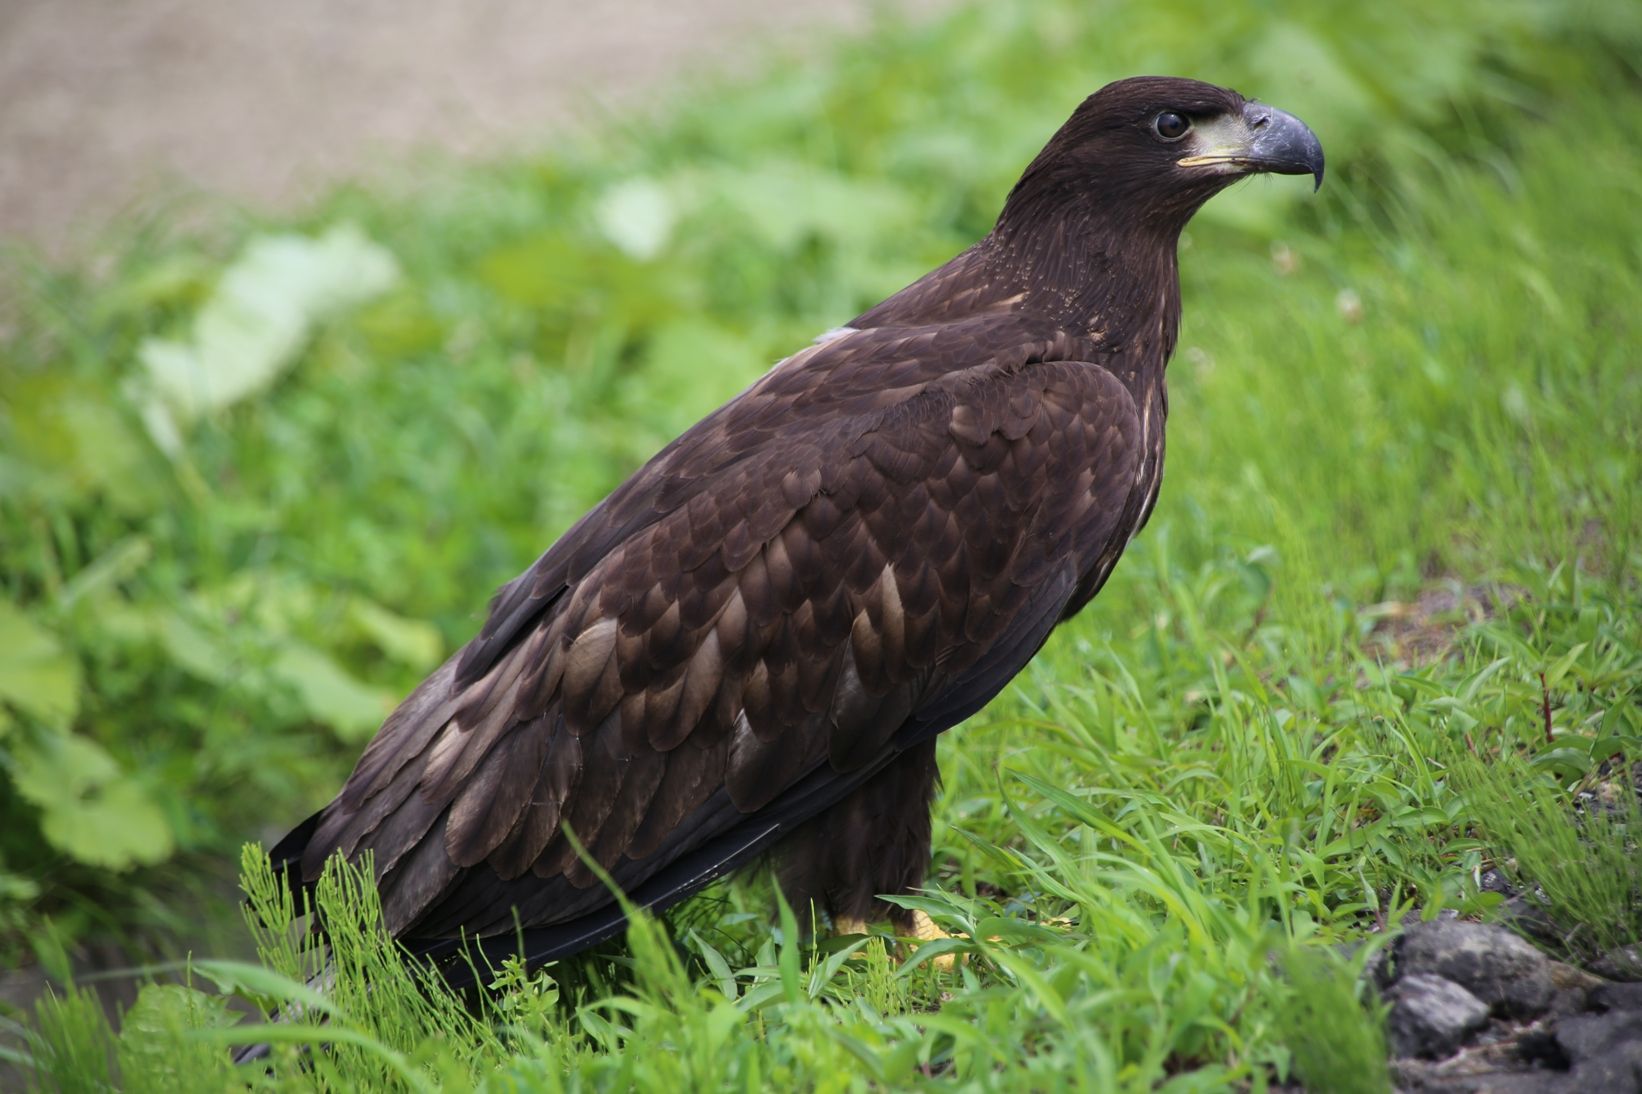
(922, 928)
(874, 841)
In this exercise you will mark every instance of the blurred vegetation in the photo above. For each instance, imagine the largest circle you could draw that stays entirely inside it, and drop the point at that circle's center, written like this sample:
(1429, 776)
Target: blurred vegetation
(258, 478)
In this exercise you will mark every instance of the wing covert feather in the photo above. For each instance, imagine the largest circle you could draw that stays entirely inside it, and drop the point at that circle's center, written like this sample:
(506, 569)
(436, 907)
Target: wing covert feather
(861, 549)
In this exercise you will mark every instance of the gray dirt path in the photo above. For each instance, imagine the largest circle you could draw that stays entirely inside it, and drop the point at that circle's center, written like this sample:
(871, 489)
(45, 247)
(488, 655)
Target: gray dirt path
(106, 103)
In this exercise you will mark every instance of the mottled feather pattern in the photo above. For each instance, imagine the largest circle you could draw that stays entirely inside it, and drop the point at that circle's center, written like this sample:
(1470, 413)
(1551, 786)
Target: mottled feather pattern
(803, 601)
(759, 634)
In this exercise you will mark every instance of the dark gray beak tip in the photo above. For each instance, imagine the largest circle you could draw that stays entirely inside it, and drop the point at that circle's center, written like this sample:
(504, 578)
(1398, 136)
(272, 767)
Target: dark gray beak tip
(1283, 144)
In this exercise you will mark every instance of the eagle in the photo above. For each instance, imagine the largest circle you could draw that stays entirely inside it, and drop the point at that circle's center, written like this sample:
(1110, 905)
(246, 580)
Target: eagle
(750, 647)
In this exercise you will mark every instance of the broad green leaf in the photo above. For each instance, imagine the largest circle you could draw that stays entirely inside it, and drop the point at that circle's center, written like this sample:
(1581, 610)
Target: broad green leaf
(786, 202)
(399, 325)
(154, 1041)
(638, 216)
(74, 436)
(89, 807)
(17, 889)
(1571, 763)
(1623, 715)
(173, 279)
(670, 392)
(1554, 674)
(547, 269)
(37, 675)
(259, 316)
(261, 981)
(98, 579)
(332, 696)
(195, 650)
(409, 641)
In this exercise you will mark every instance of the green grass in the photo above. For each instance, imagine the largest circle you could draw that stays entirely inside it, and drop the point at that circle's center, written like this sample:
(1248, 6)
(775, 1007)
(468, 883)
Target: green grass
(1583, 872)
(1330, 1053)
(1258, 743)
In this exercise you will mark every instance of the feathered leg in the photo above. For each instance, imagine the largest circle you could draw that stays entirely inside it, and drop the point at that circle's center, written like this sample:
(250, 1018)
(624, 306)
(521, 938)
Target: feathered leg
(874, 841)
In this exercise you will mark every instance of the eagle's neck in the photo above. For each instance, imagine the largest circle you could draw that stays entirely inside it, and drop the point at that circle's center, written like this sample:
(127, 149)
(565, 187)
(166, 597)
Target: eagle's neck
(1117, 285)
(1117, 280)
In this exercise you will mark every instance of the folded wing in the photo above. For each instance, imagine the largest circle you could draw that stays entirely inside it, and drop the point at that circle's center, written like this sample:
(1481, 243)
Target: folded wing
(855, 554)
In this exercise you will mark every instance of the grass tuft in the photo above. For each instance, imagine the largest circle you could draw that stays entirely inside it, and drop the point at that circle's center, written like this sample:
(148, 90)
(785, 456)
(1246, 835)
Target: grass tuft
(1335, 1035)
(1577, 857)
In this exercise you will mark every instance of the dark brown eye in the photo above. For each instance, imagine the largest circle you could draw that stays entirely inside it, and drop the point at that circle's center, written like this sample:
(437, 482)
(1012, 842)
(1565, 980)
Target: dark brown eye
(1171, 126)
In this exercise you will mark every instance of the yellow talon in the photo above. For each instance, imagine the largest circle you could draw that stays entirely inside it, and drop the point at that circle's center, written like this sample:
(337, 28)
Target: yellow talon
(925, 930)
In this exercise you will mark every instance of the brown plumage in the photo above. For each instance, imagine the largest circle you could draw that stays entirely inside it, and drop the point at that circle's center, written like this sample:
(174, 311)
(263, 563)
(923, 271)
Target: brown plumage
(753, 642)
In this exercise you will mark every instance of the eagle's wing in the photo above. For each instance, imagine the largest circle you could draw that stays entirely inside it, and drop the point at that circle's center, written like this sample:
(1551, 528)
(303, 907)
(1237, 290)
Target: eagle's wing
(857, 553)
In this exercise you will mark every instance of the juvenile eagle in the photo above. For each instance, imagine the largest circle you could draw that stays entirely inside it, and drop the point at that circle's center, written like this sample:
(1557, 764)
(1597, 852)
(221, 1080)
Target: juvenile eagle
(754, 641)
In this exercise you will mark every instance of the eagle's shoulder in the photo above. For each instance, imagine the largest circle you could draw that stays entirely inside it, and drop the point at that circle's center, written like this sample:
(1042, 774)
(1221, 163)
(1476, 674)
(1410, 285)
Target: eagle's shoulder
(818, 400)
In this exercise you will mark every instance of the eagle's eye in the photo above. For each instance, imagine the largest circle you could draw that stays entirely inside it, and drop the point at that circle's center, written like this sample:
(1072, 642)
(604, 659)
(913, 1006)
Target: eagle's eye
(1171, 126)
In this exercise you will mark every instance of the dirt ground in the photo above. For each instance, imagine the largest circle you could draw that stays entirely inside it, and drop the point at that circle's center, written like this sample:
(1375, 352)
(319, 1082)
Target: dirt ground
(105, 104)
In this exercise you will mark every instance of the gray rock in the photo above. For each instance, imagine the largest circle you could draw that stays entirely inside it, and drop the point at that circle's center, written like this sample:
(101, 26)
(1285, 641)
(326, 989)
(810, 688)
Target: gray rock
(1493, 964)
(1625, 963)
(1572, 988)
(1616, 997)
(1589, 1036)
(1420, 1077)
(1530, 918)
(1432, 1017)
(1572, 1001)
(1613, 1072)
(1527, 1082)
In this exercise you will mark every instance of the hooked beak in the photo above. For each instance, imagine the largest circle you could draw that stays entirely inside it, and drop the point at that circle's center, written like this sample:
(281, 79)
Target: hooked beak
(1265, 139)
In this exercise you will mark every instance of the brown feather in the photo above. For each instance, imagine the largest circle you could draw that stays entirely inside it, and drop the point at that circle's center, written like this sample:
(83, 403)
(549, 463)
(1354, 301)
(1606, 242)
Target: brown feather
(690, 778)
(561, 771)
(489, 804)
(762, 630)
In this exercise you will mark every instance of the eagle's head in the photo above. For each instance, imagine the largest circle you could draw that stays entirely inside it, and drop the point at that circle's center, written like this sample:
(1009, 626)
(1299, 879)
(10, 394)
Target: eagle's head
(1152, 149)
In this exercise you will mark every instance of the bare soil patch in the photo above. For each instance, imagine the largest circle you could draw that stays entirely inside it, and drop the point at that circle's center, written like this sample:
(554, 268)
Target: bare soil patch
(105, 105)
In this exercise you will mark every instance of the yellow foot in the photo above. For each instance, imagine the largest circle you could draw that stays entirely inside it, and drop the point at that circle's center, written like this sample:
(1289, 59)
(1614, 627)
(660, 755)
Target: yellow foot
(925, 930)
